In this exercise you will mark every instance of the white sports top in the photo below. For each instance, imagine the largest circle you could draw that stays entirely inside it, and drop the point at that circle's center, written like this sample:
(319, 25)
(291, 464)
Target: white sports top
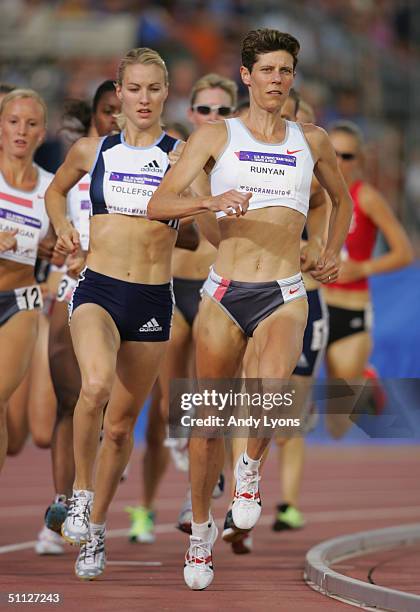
(25, 211)
(276, 174)
(79, 209)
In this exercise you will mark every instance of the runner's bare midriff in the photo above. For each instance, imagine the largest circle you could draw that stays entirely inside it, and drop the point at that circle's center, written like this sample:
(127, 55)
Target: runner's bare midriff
(264, 245)
(194, 265)
(132, 249)
(14, 275)
(352, 299)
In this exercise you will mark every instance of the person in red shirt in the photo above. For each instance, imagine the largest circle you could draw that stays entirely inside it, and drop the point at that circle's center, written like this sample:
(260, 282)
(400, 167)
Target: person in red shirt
(348, 299)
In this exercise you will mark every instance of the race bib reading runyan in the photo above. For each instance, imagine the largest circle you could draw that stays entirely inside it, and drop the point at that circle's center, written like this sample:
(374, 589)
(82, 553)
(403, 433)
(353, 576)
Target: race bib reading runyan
(28, 235)
(267, 174)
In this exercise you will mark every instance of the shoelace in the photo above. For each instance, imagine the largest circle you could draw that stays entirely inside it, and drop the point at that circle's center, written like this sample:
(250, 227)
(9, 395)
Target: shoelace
(247, 486)
(93, 547)
(79, 510)
(199, 553)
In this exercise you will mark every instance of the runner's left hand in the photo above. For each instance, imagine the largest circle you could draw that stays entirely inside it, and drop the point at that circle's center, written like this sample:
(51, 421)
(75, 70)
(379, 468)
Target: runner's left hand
(327, 267)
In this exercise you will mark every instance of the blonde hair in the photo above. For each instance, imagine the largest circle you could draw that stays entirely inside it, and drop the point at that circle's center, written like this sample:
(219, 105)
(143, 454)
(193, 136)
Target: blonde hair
(211, 81)
(141, 55)
(18, 94)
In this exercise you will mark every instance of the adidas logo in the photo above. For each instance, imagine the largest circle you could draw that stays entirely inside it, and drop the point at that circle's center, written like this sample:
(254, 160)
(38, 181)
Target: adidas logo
(151, 326)
(152, 166)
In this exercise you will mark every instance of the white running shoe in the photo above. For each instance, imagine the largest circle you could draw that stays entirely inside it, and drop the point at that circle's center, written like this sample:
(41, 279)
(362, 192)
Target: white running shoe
(91, 560)
(49, 543)
(198, 565)
(75, 529)
(178, 447)
(246, 505)
(124, 475)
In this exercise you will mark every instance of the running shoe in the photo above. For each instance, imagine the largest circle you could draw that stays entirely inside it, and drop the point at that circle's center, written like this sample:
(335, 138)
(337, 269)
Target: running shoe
(142, 524)
(75, 529)
(124, 475)
(377, 400)
(178, 447)
(288, 517)
(246, 504)
(185, 515)
(91, 560)
(241, 541)
(220, 487)
(311, 420)
(198, 566)
(56, 514)
(49, 543)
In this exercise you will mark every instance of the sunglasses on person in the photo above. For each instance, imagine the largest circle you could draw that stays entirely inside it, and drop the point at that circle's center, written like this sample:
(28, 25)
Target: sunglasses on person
(346, 156)
(204, 109)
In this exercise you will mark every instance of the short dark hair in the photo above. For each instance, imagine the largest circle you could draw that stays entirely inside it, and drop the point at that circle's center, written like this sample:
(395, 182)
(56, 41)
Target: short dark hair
(295, 96)
(102, 89)
(77, 109)
(265, 41)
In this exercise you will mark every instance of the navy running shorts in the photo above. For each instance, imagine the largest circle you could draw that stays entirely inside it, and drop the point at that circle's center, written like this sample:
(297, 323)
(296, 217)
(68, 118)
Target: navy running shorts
(316, 335)
(142, 313)
(187, 297)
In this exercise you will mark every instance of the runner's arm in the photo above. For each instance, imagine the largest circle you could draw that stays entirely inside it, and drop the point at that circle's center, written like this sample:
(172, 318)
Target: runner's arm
(167, 203)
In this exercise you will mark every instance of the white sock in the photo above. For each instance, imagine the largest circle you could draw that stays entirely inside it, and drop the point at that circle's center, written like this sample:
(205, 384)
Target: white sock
(97, 527)
(202, 530)
(78, 491)
(247, 464)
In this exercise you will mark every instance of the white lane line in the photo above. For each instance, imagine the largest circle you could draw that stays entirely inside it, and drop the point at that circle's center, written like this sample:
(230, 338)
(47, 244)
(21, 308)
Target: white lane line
(339, 516)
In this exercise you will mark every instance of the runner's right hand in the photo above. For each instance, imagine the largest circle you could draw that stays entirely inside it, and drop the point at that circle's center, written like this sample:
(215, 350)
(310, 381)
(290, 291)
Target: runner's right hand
(68, 240)
(231, 202)
(8, 241)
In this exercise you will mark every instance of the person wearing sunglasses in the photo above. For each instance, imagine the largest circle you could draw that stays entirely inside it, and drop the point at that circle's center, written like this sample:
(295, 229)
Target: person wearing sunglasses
(348, 299)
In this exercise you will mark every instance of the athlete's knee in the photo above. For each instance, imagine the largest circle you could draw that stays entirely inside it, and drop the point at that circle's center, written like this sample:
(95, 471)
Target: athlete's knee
(95, 391)
(275, 370)
(119, 433)
(41, 439)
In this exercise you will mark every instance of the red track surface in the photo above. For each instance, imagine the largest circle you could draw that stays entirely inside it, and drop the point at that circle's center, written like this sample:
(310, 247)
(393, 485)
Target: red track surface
(345, 490)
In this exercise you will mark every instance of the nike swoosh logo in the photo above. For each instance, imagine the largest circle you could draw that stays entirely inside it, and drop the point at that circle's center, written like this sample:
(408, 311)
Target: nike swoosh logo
(292, 152)
(246, 462)
(292, 291)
